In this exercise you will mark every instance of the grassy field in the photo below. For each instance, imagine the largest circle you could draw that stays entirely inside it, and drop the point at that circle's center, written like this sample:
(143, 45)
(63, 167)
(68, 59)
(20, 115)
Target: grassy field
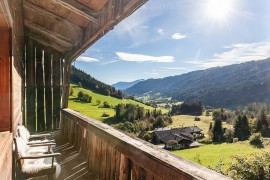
(94, 110)
(211, 154)
(187, 120)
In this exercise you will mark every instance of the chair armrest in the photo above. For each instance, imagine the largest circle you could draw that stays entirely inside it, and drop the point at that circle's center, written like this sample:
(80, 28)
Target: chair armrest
(39, 135)
(40, 156)
(44, 144)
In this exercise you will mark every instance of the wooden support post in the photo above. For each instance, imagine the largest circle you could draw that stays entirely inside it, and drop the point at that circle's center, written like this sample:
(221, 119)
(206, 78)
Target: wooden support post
(30, 87)
(40, 89)
(125, 173)
(66, 83)
(56, 89)
(48, 87)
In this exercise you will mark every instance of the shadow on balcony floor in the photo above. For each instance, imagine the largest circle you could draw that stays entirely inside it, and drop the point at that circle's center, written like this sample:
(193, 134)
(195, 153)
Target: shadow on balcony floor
(73, 165)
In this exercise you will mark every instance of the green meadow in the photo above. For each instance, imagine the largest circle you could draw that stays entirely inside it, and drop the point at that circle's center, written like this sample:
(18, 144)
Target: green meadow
(209, 155)
(95, 110)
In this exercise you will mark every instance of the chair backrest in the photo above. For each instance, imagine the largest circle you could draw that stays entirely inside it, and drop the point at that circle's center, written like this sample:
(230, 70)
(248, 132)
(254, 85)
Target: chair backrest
(20, 150)
(23, 133)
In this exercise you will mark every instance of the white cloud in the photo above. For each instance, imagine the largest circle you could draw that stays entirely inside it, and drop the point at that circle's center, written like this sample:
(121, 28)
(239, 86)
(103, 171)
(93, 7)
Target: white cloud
(237, 53)
(110, 62)
(178, 36)
(87, 59)
(144, 58)
(160, 31)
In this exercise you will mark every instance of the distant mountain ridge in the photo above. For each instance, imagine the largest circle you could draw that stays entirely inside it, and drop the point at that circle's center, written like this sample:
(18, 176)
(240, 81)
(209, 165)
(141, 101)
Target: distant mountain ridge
(125, 85)
(228, 86)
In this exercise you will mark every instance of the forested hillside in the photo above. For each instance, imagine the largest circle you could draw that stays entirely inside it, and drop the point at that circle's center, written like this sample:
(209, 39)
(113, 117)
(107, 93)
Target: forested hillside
(91, 83)
(228, 86)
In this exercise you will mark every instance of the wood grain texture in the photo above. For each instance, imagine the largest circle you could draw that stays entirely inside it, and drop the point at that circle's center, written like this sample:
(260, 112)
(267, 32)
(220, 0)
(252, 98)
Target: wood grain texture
(6, 155)
(135, 158)
(48, 87)
(40, 89)
(30, 87)
(56, 89)
(5, 81)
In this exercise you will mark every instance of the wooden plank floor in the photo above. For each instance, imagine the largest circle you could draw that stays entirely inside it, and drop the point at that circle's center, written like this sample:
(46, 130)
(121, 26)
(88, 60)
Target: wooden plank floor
(73, 165)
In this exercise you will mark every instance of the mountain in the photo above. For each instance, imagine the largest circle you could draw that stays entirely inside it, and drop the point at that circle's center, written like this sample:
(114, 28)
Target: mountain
(125, 85)
(88, 82)
(227, 86)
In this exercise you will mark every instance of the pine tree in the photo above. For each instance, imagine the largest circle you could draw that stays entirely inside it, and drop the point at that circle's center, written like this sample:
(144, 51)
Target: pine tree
(262, 124)
(241, 128)
(217, 131)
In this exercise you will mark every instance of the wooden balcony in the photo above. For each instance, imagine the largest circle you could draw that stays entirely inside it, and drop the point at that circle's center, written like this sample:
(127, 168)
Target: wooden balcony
(93, 150)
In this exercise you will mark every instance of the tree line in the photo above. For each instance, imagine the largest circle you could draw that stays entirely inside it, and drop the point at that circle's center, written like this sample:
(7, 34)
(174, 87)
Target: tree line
(245, 126)
(88, 82)
(187, 108)
(133, 118)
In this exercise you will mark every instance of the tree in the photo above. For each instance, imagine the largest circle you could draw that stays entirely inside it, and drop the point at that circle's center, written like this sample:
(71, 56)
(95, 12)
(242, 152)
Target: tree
(241, 128)
(80, 84)
(217, 131)
(106, 104)
(229, 134)
(71, 91)
(262, 124)
(216, 115)
(159, 122)
(98, 102)
(80, 95)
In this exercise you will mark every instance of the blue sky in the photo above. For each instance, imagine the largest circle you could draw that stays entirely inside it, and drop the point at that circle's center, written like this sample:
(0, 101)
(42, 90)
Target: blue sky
(167, 38)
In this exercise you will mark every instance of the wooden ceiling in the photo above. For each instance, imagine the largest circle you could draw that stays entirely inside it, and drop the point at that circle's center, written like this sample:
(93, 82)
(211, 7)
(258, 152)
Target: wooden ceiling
(71, 26)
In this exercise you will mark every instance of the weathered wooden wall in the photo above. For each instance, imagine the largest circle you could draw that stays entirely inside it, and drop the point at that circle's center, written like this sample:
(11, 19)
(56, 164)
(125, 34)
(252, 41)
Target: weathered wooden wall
(111, 154)
(45, 72)
(6, 155)
(17, 40)
(5, 81)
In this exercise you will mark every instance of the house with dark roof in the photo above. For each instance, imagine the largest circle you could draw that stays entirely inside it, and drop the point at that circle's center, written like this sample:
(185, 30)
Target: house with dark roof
(184, 136)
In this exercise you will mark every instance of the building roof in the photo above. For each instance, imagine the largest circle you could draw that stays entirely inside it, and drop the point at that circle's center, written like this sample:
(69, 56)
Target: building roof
(194, 144)
(173, 136)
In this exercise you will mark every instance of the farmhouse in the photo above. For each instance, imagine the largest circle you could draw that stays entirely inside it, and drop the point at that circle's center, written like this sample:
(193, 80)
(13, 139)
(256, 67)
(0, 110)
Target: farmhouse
(184, 136)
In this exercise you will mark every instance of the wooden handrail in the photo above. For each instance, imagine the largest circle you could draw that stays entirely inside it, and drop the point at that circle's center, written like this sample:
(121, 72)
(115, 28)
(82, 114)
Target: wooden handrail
(126, 156)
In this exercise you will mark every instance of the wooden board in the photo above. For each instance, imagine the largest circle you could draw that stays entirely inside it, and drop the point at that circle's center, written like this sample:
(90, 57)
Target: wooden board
(56, 89)
(30, 88)
(48, 88)
(6, 155)
(40, 89)
(5, 89)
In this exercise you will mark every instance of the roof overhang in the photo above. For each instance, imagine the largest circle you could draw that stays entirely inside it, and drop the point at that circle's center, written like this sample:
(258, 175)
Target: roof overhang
(71, 26)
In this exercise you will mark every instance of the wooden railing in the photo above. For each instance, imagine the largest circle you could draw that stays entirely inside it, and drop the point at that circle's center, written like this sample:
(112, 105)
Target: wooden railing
(112, 154)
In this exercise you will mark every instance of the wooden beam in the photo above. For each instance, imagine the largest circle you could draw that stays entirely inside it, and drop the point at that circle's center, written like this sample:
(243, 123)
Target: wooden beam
(46, 14)
(80, 9)
(91, 38)
(43, 41)
(58, 38)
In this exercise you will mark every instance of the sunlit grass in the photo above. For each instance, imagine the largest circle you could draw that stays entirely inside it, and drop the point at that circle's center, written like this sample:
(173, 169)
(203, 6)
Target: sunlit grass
(187, 120)
(94, 110)
(211, 154)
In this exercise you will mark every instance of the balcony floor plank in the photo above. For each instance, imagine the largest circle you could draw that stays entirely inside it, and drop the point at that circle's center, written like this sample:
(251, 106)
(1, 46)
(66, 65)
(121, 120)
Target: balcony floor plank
(73, 165)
